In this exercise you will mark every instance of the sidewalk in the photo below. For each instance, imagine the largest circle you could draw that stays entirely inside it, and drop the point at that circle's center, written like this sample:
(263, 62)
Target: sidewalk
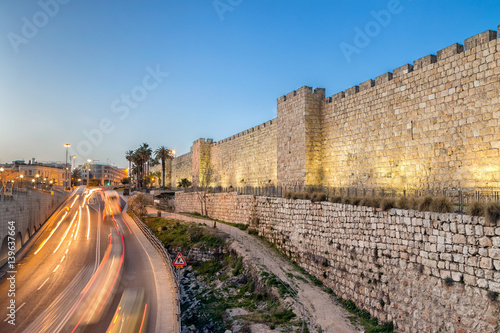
(165, 292)
(322, 308)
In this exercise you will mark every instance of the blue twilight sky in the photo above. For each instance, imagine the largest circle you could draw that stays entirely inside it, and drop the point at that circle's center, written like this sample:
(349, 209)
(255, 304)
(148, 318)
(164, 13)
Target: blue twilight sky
(69, 67)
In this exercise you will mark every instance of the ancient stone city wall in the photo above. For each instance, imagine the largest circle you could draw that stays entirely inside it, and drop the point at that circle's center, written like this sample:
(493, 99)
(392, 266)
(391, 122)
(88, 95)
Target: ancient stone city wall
(247, 158)
(432, 124)
(181, 168)
(393, 264)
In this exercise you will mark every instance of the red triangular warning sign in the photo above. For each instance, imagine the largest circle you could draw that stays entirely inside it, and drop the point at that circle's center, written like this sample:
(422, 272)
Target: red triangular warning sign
(179, 261)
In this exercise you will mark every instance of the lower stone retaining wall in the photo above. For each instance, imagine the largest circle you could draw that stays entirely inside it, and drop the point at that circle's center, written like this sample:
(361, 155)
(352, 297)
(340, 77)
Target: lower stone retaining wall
(393, 264)
(29, 210)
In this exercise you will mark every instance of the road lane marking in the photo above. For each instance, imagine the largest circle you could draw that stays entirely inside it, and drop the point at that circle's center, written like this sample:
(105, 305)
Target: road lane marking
(43, 284)
(66, 251)
(51, 233)
(55, 269)
(62, 258)
(19, 308)
(79, 220)
(66, 233)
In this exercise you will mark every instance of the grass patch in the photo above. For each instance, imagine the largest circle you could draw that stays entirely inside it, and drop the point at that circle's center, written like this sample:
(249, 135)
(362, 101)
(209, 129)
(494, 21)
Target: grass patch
(284, 289)
(184, 235)
(364, 318)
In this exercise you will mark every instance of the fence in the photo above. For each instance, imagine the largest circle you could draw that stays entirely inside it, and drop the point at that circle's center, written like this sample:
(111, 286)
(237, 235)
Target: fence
(168, 263)
(460, 198)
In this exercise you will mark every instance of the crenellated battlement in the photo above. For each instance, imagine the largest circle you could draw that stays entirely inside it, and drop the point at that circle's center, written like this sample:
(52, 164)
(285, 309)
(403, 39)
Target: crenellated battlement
(303, 92)
(245, 132)
(421, 64)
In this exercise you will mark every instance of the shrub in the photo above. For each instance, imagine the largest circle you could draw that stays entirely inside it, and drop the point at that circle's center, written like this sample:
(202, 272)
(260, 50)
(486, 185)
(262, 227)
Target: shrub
(346, 200)
(387, 203)
(403, 203)
(442, 205)
(335, 199)
(492, 212)
(356, 200)
(476, 208)
(371, 202)
(296, 195)
(424, 204)
(318, 196)
(288, 195)
(493, 295)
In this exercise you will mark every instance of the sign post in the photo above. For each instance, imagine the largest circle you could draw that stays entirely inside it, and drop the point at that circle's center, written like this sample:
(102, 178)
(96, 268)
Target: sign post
(179, 263)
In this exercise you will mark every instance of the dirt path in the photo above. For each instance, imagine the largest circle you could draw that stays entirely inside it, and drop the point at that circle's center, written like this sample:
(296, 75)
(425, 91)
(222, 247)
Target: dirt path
(321, 307)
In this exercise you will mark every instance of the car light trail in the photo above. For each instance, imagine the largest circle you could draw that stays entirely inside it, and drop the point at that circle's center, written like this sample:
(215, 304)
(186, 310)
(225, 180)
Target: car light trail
(66, 233)
(143, 317)
(51, 233)
(74, 201)
(117, 274)
(78, 227)
(55, 269)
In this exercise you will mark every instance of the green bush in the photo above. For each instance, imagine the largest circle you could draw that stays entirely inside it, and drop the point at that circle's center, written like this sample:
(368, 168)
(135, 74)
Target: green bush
(493, 295)
(448, 281)
(288, 195)
(476, 208)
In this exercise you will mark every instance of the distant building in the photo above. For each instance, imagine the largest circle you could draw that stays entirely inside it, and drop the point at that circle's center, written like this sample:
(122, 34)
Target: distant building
(104, 174)
(51, 173)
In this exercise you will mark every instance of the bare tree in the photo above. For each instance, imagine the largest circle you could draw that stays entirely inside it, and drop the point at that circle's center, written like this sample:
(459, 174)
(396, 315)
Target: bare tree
(207, 179)
(139, 202)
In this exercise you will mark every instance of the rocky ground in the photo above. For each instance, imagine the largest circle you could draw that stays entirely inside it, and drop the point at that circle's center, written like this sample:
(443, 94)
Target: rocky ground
(219, 291)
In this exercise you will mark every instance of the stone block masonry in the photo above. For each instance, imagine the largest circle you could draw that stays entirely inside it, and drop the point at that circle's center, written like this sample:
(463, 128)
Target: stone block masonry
(426, 272)
(432, 124)
(29, 211)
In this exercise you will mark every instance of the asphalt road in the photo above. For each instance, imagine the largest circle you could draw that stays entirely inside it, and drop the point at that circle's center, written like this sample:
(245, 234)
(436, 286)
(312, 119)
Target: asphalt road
(72, 278)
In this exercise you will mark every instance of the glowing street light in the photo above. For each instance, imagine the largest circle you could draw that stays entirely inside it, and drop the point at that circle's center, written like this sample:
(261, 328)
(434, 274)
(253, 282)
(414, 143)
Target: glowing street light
(67, 145)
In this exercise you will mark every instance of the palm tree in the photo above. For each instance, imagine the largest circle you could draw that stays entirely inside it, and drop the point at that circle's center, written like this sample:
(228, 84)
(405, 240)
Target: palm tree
(162, 154)
(129, 156)
(75, 175)
(142, 156)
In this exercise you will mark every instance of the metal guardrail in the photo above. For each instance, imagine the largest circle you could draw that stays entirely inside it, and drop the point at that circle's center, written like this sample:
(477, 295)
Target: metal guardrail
(168, 263)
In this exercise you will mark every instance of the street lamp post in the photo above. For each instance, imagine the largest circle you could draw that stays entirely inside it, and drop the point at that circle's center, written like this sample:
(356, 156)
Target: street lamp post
(67, 145)
(88, 171)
